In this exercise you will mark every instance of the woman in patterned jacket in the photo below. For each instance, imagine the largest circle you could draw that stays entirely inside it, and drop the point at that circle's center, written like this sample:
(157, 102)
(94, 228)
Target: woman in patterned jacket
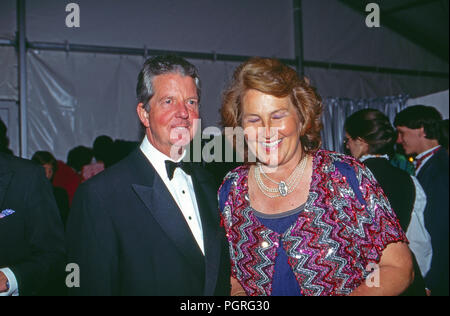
(301, 220)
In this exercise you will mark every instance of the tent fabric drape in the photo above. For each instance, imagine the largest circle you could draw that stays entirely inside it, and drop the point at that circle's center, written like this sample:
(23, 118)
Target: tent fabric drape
(336, 110)
(439, 100)
(72, 97)
(75, 97)
(8, 74)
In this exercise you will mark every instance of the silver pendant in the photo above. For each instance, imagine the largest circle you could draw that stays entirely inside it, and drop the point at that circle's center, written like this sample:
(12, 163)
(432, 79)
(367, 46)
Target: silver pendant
(282, 188)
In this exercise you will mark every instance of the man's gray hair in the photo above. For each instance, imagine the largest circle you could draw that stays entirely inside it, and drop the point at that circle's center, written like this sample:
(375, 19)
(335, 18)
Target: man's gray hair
(160, 65)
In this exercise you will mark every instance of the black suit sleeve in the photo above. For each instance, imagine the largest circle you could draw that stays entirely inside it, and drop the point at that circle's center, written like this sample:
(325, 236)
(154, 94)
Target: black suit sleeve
(91, 245)
(44, 233)
(436, 221)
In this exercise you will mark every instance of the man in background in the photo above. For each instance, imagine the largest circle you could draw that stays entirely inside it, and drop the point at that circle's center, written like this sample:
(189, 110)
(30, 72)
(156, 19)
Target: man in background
(419, 131)
(31, 232)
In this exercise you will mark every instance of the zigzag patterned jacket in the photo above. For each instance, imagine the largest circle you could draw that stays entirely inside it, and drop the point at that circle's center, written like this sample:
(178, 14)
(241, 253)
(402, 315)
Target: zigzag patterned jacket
(346, 224)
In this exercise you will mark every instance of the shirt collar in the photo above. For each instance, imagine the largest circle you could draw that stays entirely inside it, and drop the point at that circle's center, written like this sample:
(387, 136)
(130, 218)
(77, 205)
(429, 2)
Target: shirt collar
(157, 158)
(365, 157)
(426, 152)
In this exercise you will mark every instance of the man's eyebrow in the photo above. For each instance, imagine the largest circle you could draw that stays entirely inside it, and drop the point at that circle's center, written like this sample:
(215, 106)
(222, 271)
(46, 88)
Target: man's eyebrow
(163, 98)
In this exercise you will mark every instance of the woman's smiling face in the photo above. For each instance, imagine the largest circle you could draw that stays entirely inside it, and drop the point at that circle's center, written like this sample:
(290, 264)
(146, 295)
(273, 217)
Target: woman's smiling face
(272, 128)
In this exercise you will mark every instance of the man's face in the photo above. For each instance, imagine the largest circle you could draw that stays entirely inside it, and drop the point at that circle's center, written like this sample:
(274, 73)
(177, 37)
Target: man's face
(410, 139)
(173, 109)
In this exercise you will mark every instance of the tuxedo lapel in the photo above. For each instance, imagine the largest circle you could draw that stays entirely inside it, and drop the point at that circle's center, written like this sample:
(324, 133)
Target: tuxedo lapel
(161, 205)
(205, 195)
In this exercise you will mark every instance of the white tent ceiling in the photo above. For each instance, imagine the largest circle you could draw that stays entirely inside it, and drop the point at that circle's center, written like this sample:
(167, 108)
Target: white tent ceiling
(72, 97)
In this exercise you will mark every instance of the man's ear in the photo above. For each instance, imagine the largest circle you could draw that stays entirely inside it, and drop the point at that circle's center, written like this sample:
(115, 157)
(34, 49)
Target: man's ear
(142, 114)
(422, 132)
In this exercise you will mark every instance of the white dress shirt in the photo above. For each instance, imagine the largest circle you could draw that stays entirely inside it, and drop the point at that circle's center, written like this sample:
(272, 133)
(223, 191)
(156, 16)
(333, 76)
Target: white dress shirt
(417, 234)
(180, 187)
(426, 159)
(13, 286)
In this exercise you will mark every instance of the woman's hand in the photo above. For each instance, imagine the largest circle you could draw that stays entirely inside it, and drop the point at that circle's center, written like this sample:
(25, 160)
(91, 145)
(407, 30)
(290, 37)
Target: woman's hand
(236, 288)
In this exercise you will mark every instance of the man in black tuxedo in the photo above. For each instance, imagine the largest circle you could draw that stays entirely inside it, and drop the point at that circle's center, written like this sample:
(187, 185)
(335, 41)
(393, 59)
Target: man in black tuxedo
(32, 250)
(149, 225)
(418, 132)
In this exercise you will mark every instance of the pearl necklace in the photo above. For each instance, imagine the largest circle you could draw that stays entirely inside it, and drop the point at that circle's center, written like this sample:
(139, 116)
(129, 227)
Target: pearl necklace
(283, 187)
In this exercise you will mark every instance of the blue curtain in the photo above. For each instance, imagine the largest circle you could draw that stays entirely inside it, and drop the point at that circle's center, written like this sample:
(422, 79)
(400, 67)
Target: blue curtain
(336, 110)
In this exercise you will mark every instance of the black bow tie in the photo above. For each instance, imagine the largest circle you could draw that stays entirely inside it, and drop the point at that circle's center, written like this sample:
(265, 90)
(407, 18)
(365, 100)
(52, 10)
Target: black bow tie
(171, 166)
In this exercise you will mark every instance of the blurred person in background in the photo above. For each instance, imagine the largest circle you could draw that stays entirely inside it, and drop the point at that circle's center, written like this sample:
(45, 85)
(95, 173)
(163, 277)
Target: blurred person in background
(104, 156)
(67, 178)
(419, 130)
(370, 138)
(78, 157)
(104, 150)
(32, 252)
(48, 161)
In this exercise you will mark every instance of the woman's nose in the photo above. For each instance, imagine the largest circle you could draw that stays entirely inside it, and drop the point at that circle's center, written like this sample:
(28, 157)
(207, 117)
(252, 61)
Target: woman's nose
(268, 132)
